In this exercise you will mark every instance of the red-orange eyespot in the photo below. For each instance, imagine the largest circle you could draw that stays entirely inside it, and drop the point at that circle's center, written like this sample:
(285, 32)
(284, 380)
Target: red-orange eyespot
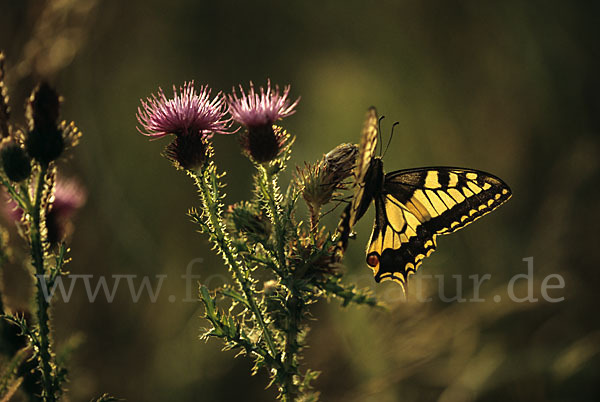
(372, 260)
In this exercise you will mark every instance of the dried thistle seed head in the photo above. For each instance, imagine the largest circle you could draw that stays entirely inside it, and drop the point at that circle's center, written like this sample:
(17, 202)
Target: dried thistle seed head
(339, 163)
(44, 142)
(320, 181)
(15, 161)
(315, 191)
(188, 151)
(257, 111)
(248, 220)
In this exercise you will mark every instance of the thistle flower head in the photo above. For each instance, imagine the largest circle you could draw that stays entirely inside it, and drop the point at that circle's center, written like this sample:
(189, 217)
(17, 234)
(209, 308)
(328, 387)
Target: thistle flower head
(186, 113)
(258, 111)
(261, 108)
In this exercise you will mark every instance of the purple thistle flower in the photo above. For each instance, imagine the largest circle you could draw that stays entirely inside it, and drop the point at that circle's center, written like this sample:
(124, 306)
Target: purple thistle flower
(254, 109)
(257, 111)
(187, 113)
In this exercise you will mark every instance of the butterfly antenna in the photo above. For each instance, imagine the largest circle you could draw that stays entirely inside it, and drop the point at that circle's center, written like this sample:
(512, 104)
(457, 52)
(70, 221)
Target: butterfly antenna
(379, 133)
(391, 136)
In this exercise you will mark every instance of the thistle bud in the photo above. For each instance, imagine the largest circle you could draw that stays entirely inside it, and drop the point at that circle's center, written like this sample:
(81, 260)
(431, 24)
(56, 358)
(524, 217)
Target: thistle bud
(15, 162)
(44, 105)
(44, 141)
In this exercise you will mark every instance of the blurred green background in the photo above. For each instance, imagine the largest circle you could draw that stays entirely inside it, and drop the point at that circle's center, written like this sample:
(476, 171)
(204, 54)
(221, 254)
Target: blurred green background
(509, 87)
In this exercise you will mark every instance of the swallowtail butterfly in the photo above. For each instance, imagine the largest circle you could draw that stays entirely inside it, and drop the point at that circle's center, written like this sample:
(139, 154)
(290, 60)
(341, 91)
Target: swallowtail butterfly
(413, 207)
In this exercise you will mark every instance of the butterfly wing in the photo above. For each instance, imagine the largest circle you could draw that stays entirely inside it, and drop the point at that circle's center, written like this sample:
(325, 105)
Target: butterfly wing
(360, 200)
(366, 152)
(417, 205)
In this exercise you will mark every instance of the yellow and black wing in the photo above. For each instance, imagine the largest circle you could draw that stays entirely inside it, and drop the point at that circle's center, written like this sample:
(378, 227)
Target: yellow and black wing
(366, 153)
(417, 205)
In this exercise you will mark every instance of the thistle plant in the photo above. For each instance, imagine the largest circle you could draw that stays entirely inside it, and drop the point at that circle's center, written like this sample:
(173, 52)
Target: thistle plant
(279, 265)
(41, 204)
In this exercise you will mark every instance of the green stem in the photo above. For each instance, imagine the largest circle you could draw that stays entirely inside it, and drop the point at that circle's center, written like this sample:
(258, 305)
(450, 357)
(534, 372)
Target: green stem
(22, 201)
(37, 254)
(269, 187)
(291, 348)
(269, 192)
(212, 207)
